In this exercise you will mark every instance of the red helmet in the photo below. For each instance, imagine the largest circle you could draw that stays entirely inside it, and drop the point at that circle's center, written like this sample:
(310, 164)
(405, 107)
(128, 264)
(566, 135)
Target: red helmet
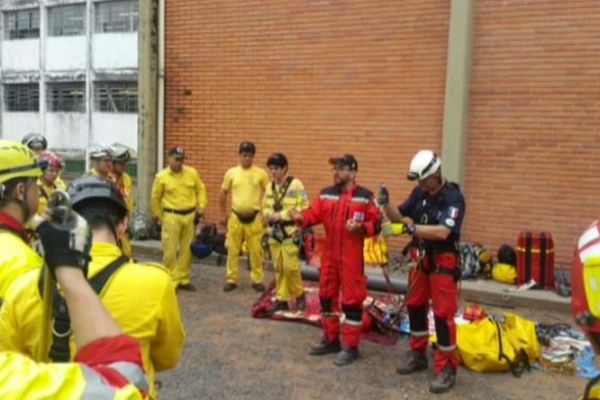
(474, 312)
(51, 159)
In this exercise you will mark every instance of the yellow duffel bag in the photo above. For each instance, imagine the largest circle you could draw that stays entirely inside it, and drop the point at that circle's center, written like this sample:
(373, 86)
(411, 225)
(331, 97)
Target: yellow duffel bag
(504, 273)
(375, 251)
(489, 345)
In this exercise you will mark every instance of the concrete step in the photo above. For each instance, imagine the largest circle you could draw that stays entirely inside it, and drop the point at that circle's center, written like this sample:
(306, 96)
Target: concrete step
(487, 292)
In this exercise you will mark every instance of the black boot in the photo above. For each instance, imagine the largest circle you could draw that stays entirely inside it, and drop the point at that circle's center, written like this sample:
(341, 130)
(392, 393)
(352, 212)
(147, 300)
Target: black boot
(278, 305)
(443, 381)
(415, 362)
(325, 347)
(346, 356)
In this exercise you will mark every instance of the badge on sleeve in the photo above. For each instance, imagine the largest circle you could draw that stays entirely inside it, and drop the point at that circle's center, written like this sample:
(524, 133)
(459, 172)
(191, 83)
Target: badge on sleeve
(453, 212)
(358, 216)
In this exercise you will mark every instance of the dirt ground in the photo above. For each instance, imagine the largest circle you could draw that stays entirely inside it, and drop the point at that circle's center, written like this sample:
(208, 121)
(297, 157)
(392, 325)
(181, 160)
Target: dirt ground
(230, 355)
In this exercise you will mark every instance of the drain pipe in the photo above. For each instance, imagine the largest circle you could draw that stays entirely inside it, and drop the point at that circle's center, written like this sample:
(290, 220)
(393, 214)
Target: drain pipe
(161, 86)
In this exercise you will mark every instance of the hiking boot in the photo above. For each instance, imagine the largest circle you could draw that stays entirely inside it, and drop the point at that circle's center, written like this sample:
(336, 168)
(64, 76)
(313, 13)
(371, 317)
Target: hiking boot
(415, 362)
(346, 356)
(325, 348)
(188, 287)
(301, 302)
(443, 381)
(259, 287)
(278, 305)
(229, 286)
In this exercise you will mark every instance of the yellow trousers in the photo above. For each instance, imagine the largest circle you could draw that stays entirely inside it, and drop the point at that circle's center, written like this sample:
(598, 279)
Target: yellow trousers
(177, 234)
(288, 281)
(236, 234)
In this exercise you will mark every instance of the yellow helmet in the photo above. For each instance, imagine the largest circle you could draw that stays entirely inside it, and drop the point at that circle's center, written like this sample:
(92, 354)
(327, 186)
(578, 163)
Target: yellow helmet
(17, 161)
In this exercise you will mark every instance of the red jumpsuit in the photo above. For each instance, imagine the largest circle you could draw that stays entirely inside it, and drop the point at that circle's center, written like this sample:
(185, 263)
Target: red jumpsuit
(342, 265)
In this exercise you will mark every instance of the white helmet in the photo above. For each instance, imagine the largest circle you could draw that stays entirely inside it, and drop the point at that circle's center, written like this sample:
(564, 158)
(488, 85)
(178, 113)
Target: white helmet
(99, 150)
(425, 163)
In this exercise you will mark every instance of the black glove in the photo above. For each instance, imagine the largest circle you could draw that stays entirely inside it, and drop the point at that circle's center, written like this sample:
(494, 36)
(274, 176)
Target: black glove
(66, 246)
(383, 196)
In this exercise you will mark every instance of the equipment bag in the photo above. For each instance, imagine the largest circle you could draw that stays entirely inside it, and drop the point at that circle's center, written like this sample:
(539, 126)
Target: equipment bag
(375, 251)
(474, 260)
(489, 345)
(504, 273)
(535, 259)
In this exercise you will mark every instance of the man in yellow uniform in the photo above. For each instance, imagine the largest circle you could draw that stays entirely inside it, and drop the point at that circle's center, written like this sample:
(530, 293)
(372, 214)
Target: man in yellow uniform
(19, 198)
(52, 164)
(108, 364)
(140, 297)
(178, 195)
(121, 157)
(283, 194)
(247, 183)
(38, 144)
(101, 159)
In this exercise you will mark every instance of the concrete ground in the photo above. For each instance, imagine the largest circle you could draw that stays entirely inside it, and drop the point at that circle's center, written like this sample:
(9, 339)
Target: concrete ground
(230, 355)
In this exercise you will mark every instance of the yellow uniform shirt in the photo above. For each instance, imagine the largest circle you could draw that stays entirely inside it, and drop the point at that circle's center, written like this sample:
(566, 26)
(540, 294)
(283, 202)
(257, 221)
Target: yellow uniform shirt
(16, 259)
(177, 190)
(46, 190)
(125, 185)
(294, 198)
(246, 186)
(140, 297)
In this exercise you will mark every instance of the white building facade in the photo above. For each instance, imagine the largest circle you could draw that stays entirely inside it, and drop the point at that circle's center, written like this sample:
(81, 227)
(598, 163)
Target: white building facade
(69, 71)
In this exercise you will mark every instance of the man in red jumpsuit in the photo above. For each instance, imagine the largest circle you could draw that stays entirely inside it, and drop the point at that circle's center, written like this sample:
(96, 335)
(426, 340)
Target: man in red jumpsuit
(348, 214)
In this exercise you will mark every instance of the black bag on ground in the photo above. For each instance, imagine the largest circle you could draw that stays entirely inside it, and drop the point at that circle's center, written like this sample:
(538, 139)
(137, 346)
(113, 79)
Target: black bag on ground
(507, 255)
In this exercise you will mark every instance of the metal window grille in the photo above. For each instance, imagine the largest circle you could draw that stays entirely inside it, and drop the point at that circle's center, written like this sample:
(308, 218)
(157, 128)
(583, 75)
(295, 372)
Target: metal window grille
(116, 97)
(116, 16)
(66, 20)
(22, 97)
(22, 24)
(66, 97)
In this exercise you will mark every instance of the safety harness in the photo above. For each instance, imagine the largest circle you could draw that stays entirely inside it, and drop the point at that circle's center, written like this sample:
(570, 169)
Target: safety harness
(279, 232)
(61, 323)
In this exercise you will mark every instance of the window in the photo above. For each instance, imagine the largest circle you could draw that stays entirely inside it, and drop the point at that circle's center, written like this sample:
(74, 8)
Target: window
(66, 20)
(120, 97)
(22, 97)
(22, 24)
(117, 16)
(66, 97)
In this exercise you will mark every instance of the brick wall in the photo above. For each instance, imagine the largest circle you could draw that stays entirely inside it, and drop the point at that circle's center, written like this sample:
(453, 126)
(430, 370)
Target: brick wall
(311, 79)
(534, 134)
(318, 78)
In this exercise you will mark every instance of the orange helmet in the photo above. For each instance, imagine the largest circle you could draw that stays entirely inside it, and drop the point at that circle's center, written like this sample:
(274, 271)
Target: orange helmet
(474, 312)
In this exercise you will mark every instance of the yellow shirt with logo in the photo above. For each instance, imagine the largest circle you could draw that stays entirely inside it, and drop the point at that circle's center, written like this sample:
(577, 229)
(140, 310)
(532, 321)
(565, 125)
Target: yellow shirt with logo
(140, 297)
(246, 186)
(177, 190)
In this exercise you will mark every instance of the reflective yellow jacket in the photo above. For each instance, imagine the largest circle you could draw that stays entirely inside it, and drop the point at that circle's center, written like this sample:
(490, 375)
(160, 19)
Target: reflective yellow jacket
(16, 259)
(294, 197)
(21, 378)
(140, 297)
(45, 192)
(178, 191)
(125, 186)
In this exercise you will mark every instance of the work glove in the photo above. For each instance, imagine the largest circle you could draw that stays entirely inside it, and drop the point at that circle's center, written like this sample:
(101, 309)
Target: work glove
(383, 196)
(396, 229)
(66, 245)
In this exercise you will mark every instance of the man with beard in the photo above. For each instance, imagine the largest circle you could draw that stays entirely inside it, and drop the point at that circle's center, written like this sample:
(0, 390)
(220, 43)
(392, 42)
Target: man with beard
(348, 214)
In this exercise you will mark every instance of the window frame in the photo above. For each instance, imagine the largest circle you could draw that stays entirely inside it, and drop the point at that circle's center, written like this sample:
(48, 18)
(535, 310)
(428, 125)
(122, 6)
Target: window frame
(53, 14)
(104, 17)
(16, 91)
(127, 104)
(61, 101)
(33, 31)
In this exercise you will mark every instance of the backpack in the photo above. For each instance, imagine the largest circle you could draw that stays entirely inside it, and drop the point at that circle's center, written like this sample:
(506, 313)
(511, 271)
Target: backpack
(474, 260)
(139, 228)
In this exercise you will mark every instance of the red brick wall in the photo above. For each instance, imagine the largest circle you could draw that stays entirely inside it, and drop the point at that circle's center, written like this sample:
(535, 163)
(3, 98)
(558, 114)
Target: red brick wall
(534, 135)
(312, 79)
